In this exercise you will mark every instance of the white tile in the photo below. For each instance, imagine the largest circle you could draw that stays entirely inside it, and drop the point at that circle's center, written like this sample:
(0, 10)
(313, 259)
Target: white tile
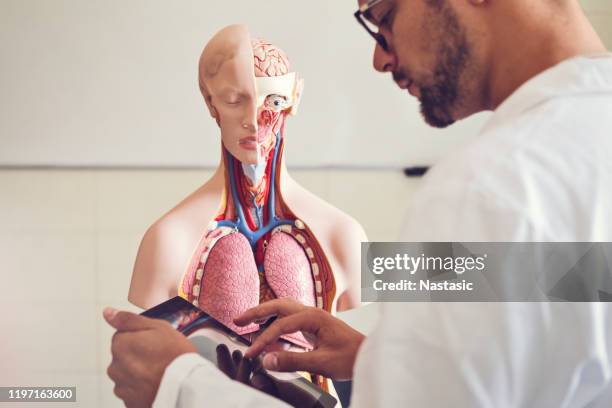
(377, 199)
(47, 338)
(133, 200)
(47, 266)
(315, 181)
(46, 199)
(116, 252)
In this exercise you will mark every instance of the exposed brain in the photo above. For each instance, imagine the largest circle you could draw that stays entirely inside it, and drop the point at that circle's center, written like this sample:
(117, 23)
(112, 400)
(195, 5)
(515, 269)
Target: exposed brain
(269, 60)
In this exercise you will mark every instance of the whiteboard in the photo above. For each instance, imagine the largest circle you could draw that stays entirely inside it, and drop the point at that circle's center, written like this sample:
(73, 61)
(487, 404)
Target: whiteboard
(114, 83)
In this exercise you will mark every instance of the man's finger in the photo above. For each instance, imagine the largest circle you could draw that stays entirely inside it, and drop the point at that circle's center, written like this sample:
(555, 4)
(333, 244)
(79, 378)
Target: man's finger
(127, 321)
(276, 307)
(303, 321)
(244, 371)
(114, 372)
(264, 383)
(237, 357)
(120, 392)
(225, 362)
(257, 365)
(291, 361)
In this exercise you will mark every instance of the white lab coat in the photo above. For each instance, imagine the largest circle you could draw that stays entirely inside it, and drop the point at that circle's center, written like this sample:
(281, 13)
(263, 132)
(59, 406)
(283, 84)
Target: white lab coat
(541, 170)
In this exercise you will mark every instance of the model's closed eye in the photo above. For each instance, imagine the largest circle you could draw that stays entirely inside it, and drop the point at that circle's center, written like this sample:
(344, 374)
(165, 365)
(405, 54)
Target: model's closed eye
(231, 97)
(233, 100)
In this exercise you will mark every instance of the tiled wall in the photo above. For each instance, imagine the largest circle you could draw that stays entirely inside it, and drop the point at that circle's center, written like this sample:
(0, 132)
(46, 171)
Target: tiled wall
(67, 245)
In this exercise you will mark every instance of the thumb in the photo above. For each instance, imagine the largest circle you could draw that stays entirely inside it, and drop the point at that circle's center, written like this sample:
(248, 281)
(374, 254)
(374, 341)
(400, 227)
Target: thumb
(292, 361)
(127, 321)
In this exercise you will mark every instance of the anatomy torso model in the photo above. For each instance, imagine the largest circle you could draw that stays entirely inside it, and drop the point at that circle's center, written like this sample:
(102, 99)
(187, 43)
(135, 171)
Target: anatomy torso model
(257, 234)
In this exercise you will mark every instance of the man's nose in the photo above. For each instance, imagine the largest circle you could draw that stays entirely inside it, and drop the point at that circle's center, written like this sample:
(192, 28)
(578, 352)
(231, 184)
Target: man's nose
(384, 60)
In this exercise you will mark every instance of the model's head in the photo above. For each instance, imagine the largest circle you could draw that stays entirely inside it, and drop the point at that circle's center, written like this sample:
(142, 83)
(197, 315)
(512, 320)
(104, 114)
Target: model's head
(249, 91)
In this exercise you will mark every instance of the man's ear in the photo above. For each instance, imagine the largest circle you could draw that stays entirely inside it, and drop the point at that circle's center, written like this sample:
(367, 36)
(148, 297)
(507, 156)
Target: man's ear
(297, 96)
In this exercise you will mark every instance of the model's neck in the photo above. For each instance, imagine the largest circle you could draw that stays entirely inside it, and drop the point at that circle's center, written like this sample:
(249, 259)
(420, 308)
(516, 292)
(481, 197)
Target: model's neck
(255, 182)
(534, 42)
(219, 176)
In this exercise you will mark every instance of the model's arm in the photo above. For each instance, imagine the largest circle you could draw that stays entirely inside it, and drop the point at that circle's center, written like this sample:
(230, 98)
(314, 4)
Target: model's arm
(347, 245)
(154, 278)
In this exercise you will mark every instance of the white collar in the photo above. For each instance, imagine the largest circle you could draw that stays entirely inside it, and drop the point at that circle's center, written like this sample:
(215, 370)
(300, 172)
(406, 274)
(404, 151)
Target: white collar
(578, 75)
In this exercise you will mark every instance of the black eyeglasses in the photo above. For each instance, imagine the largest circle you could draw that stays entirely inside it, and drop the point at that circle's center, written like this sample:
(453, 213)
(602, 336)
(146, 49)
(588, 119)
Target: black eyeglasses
(363, 17)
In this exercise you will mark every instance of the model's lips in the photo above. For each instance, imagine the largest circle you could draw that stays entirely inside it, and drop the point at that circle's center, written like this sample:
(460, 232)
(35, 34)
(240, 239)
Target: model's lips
(248, 143)
(251, 142)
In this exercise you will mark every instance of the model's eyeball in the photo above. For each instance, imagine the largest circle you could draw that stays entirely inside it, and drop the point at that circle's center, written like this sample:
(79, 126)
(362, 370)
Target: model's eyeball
(276, 103)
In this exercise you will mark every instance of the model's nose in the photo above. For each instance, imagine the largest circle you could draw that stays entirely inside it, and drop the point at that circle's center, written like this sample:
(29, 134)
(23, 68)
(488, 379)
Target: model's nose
(249, 121)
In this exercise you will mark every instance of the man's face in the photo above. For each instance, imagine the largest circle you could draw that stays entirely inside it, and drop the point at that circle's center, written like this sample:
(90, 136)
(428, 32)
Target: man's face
(429, 55)
(247, 131)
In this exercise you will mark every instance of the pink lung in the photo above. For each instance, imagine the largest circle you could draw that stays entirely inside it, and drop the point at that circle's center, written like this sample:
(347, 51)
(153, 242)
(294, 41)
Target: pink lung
(288, 270)
(230, 284)
(288, 274)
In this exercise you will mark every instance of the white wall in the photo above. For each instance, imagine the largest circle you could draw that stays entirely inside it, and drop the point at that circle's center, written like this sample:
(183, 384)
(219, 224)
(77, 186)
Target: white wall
(114, 83)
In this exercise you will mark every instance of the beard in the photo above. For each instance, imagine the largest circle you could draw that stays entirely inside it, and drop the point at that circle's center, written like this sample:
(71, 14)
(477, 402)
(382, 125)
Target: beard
(439, 100)
(441, 93)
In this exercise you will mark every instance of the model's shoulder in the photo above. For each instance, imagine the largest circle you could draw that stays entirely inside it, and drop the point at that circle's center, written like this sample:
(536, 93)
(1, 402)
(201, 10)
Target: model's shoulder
(348, 226)
(187, 212)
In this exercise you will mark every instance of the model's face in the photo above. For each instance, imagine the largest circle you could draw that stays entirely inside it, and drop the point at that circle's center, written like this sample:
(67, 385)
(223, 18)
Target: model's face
(429, 55)
(247, 130)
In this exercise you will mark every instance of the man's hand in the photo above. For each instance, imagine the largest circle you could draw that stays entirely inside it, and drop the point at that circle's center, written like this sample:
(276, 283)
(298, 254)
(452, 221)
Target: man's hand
(335, 343)
(142, 348)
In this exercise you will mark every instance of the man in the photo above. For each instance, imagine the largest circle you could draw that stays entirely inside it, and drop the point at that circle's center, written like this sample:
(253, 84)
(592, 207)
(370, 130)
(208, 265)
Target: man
(539, 171)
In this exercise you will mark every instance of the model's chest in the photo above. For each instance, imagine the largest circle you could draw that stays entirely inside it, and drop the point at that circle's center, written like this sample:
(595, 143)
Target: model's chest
(228, 274)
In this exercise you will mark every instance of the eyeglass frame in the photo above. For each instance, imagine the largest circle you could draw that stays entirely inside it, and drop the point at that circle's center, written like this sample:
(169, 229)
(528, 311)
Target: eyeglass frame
(360, 16)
